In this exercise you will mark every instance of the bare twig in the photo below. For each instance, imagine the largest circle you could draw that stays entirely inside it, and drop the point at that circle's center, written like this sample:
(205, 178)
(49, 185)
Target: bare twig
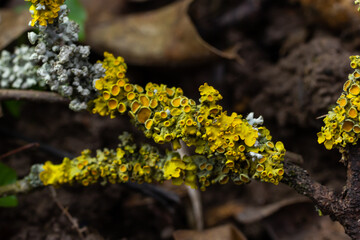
(32, 95)
(230, 54)
(65, 211)
(299, 179)
(22, 148)
(322, 116)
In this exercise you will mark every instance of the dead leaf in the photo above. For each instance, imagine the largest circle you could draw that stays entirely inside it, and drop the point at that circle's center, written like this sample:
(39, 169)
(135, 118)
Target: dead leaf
(12, 25)
(222, 212)
(335, 13)
(101, 11)
(224, 232)
(253, 214)
(164, 36)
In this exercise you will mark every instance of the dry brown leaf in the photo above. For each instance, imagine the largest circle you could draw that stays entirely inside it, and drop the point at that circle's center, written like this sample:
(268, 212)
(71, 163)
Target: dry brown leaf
(335, 13)
(101, 11)
(12, 25)
(161, 37)
(222, 212)
(224, 232)
(253, 214)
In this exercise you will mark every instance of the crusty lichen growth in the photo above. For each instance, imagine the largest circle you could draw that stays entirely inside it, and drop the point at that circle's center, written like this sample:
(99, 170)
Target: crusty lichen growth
(128, 162)
(44, 11)
(240, 148)
(230, 146)
(17, 70)
(62, 63)
(358, 2)
(342, 125)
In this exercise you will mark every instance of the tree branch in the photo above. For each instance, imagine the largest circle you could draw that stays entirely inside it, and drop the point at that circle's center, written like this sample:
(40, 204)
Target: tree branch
(344, 207)
(20, 186)
(299, 179)
(32, 95)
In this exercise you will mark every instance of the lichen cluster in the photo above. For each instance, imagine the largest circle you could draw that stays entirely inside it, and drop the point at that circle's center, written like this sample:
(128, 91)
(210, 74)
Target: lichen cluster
(128, 162)
(17, 70)
(342, 123)
(44, 11)
(239, 148)
(62, 64)
(229, 147)
(358, 2)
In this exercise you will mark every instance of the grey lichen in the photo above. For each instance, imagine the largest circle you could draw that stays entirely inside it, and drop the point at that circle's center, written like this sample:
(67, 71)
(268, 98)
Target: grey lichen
(56, 60)
(64, 65)
(33, 178)
(17, 70)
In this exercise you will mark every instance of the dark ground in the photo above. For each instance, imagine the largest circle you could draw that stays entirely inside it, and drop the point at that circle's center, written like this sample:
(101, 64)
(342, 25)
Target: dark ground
(294, 64)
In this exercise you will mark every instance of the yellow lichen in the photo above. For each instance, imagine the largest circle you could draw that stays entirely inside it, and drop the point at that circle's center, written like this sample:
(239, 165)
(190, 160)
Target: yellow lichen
(342, 122)
(166, 115)
(44, 11)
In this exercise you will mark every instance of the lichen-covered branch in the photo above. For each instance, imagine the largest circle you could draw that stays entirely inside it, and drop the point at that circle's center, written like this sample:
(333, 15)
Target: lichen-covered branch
(20, 186)
(56, 61)
(30, 182)
(342, 125)
(241, 147)
(231, 147)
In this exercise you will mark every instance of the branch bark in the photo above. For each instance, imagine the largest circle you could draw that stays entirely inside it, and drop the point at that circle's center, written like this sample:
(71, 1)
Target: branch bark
(344, 207)
(32, 95)
(19, 187)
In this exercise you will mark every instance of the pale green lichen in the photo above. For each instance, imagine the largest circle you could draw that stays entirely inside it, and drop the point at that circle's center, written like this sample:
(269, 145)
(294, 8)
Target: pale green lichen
(17, 70)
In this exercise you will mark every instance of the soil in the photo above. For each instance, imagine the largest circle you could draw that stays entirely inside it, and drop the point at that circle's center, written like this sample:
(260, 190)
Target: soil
(294, 66)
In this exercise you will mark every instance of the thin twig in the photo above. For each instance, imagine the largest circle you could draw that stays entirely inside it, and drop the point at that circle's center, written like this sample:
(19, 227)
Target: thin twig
(322, 116)
(32, 95)
(194, 196)
(22, 148)
(65, 211)
(230, 54)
